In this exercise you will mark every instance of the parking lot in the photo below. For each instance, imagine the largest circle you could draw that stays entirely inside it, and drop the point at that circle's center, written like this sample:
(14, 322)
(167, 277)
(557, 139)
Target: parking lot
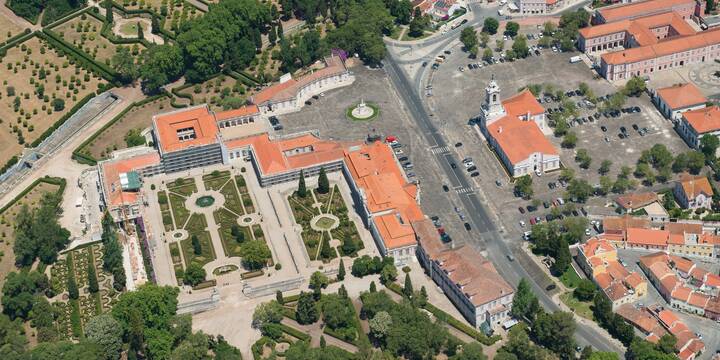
(453, 113)
(327, 116)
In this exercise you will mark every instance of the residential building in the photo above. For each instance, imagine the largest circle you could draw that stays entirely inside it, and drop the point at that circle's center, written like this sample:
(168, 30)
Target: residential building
(687, 9)
(644, 204)
(681, 282)
(290, 94)
(514, 128)
(444, 9)
(695, 124)
(598, 258)
(468, 279)
(693, 192)
(539, 7)
(688, 239)
(674, 100)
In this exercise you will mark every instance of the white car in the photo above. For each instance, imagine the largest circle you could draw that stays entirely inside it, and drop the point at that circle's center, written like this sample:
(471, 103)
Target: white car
(399, 152)
(538, 173)
(522, 223)
(587, 231)
(469, 164)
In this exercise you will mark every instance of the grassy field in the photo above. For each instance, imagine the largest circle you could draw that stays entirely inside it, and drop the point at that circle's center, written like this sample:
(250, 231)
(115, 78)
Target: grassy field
(113, 138)
(183, 186)
(216, 179)
(23, 111)
(7, 219)
(176, 12)
(581, 308)
(570, 278)
(180, 212)
(303, 212)
(226, 220)
(85, 35)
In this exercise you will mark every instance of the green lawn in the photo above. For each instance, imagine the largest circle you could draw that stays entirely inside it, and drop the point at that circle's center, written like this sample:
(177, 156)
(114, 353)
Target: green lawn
(196, 226)
(226, 220)
(570, 278)
(233, 202)
(216, 180)
(185, 187)
(177, 204)
(165, 210)
(581, 308)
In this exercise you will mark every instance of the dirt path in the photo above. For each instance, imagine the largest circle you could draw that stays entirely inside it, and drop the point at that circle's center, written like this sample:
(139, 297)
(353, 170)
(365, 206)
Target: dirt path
(146, 25)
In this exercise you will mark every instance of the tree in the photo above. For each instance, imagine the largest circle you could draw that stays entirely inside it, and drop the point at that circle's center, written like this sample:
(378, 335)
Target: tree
(72, 285)
(341, 271)
(20, 291)
(499, 45)
(92, 278)
(523, 186)
(109, 11)
(140, 34)
(525, 303)
(603, 355)
(58, 104)
(666, 344)
(562, 259)
(154, 25)
(468, 36)
(323, 182)
(302, 190)
(709, 145)
(549, 28)
(634, 87)
(606, 185)
(372, 288)
(194, 274)
(123, 62)
(255, 254)
(388, 274)
(272, 35)
(583, 158)
(695, 161)
(569, 140)
(484, 39)
(318, 281)
(555, 332)
(267, 313)
(161, 64)
(490, 26)
(585, 291)
(197, 247)
(470, 351)
(567, 174)
(487, 54)
(380, 324)
(408, 287)
(337, 312)
(605, 167)
(106, 332)
(511, 28)
(680, 163)
(306, 312)
(579, 189)
(520, 47)
(417, 26)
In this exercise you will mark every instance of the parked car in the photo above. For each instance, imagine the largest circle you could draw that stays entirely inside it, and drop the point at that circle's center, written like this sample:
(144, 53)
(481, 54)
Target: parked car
(474, 174)
(472, 168)
(545, 204)
(550, 287)
(445, 188)
(521, 210)
(603, 128)
(467, 226)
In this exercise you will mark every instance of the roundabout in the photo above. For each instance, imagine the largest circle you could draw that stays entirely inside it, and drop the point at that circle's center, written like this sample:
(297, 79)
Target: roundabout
(363, 111)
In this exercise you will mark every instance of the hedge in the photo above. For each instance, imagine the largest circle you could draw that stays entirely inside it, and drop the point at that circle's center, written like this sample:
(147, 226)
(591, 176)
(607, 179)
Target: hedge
(295, 332)
(291, 298)
(75, 319)
(256, 348)
(460, 326)
(328, 331)
(26, 34)
(82, 57)
(46, 179)
(63, 119)
(289, 313)
(251, 274)
(205, 284)
(77, 154)
(13, 160)
(67, 18)
(152, 13)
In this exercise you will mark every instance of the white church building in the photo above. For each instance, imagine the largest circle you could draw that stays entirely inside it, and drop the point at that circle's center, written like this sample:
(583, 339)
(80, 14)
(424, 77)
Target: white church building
(515, 128)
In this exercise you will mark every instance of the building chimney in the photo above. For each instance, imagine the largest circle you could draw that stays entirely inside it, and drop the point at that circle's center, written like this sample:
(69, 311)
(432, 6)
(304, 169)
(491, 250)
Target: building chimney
(499, 129)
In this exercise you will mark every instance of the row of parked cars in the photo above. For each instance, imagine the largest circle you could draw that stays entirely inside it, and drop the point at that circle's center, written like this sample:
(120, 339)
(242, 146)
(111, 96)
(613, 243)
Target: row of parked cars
(405, 162)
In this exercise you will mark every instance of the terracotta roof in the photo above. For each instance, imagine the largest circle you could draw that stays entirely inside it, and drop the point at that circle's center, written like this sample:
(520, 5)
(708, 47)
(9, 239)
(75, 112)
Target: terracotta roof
(681, 293)
(712, 280)
(698, 273)
(695, 185)
(698, 300)
(395, 231)
(605, 29)
(634, 280)
(703, 120)
(681, 264)
(713, 305)
(603, 280)
(681, 96)
(618, 12)
(669, 282)
(636, 200)
(476, 276)
(652, 237)
(238, 113)
(616, 291)
(522, 103)
(683, 228)
(428, 238)
(197, 121)
(519, 139)
(654, 258)
(641, 319)
(111, 170)
(622, 223)
(289, 89)
(666, 47)
(668, 318)
(595, 246)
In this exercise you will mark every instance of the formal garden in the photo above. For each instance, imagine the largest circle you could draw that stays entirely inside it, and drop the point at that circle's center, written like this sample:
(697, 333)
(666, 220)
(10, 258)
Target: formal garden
(39, 86)
(326, 227)
(221, 92)
(77, 297)
(173, 12)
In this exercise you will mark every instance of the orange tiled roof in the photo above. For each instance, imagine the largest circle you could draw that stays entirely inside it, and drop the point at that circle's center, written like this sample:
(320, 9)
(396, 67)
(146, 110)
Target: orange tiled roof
(668, 318)
(603, 280)
(289, 89)
(683, 228)
(111, 171)
(681, 95)
(681, 293)
(636, 200)
(622, 223)
(239, 112)
(476, 276)
(647, 236)
(522, 103)
(604, 29)
(596, 245)
(614, 13)
(682, 264)
(634, 280)
(703, 120)
(519, 139)
(698, 300)
(712, 280)
(662, 48)
(695, 185)
(198, 118)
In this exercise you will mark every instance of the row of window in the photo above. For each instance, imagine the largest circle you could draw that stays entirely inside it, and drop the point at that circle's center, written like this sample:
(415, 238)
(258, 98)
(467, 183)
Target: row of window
(236, 122)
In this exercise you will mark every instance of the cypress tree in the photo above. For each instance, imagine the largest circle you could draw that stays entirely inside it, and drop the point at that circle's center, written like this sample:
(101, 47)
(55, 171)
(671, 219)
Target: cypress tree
(154, 25)
(279, 297)
(272, 35)
(197, 248)
(92, 278)
(140, 31)
(373, 288)
(408, 288)
(71, 285)
(323, 182)
(302, 190)
(109, 11)
(341, 271)
(322, 342)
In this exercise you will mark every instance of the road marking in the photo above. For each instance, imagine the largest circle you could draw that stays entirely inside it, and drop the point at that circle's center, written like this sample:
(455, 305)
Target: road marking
(440, 150)
(464, 190)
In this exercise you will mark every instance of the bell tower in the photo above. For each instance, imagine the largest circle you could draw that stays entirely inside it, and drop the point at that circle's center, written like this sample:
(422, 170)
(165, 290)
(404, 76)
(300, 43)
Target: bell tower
(492, 109)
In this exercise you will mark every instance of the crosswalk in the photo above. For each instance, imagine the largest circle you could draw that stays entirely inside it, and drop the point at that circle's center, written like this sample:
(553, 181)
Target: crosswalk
(464, 190)
(440, 150)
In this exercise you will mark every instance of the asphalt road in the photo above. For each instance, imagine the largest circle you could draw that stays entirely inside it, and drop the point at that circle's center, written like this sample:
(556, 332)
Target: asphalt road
(479, 215)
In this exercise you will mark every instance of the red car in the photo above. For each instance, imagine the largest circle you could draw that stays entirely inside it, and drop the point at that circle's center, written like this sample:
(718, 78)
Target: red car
(532, 221)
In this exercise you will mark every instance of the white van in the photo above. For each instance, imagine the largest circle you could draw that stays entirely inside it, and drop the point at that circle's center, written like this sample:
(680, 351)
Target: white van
(575, 59)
